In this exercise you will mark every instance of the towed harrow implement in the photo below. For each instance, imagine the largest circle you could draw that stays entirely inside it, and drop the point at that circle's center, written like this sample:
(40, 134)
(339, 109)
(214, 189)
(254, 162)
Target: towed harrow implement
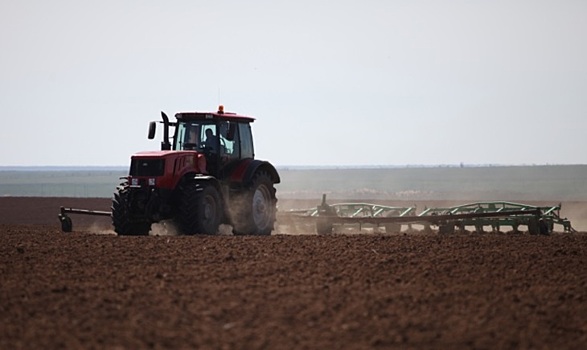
(547, 216)
(538, 220)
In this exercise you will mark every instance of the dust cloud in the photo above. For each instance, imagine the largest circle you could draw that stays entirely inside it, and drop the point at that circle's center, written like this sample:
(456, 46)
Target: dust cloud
(164, 228)
(225, 230)
(99, 228)
(168, 228)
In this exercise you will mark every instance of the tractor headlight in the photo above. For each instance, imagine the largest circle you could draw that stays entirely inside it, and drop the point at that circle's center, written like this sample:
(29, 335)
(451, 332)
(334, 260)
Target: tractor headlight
(134, 182)
(152, 182)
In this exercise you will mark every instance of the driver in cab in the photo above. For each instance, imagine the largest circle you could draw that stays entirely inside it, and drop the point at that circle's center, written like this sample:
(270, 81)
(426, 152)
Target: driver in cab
(211, 141)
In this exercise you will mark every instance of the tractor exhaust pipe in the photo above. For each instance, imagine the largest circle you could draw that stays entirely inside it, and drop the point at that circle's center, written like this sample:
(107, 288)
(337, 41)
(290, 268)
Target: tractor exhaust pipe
(165, 145)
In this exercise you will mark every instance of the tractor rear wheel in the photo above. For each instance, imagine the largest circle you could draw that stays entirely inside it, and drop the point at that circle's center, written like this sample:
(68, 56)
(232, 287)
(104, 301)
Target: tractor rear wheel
(121, 220)
(200, 209)
(254, 210)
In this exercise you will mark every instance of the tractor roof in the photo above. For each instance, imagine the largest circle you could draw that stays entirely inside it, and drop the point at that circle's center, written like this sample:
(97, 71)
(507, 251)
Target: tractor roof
(219, 115)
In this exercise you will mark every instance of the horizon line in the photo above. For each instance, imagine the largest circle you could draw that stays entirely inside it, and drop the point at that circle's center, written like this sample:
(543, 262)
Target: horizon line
(294, 167)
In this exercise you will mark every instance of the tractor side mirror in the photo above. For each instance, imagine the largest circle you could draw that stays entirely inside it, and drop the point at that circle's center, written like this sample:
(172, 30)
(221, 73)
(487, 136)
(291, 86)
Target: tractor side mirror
(152, 127)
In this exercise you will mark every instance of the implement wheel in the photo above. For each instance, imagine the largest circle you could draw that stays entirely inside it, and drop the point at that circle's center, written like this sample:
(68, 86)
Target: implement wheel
(324, 226)
(66, 224)
(393, 228)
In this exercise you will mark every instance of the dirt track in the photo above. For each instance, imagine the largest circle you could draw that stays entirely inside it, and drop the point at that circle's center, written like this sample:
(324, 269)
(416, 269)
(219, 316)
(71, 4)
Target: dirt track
(89, 290)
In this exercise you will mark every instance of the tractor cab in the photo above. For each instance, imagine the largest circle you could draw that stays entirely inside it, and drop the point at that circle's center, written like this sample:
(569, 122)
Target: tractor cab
(222, 137)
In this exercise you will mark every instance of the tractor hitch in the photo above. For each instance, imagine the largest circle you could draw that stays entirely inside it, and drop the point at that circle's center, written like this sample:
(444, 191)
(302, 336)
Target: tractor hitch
(65, 220)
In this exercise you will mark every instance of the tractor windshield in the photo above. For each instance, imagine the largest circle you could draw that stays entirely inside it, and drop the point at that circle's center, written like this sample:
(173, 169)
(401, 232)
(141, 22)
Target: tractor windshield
(195, 135)
(231, 140)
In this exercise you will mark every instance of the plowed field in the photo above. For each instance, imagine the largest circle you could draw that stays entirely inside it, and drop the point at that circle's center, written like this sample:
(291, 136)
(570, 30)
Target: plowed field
(92, 289)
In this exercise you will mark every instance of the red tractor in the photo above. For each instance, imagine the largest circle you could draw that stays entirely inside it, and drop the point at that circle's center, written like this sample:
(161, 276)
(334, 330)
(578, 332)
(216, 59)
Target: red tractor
(206, 176)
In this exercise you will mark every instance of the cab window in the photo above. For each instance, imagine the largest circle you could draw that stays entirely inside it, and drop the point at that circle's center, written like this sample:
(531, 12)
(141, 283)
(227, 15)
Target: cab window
(188, 136)
(193, 135)
(229, 139)
(246, 140)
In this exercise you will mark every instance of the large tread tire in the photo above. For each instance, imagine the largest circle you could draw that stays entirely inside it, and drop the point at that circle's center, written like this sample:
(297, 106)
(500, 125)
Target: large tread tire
(121, 218)
(199, 210)
(254, 211)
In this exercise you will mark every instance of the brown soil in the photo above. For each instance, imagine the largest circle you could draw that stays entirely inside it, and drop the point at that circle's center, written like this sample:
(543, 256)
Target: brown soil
(93, 290)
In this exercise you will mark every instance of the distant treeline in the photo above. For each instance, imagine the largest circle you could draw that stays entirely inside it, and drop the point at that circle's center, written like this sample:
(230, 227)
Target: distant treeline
(546, 182)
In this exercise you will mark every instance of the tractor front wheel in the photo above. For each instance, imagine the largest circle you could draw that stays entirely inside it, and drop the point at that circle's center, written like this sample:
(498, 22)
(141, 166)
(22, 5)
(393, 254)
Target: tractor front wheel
(121, 216)
(200, 209)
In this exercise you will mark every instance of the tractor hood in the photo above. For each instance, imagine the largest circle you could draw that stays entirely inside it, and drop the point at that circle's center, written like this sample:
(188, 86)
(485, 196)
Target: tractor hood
(160, 154)
(173, 163)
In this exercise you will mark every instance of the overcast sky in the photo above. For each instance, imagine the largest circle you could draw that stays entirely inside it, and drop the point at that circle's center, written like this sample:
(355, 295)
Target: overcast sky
(330, 82)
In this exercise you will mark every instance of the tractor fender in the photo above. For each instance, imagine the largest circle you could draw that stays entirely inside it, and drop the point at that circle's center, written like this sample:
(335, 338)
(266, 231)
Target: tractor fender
(202, 179)
(246, 170)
